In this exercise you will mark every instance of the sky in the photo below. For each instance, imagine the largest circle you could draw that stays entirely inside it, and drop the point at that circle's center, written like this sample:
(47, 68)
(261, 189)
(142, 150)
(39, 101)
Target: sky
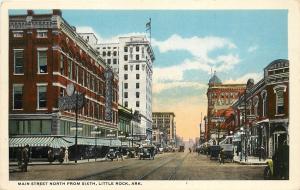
(189, 45)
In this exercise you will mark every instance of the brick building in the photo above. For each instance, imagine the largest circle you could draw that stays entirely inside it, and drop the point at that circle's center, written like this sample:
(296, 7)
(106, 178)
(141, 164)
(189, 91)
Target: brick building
(267, 109)
(45, 55)
(220, 98)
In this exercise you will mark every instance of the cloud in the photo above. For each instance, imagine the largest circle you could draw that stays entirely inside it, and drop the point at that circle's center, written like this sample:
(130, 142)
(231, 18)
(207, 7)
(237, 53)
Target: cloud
(252, 48)
(113, 39)
(197, 46)
(159, 87)
(243, 79)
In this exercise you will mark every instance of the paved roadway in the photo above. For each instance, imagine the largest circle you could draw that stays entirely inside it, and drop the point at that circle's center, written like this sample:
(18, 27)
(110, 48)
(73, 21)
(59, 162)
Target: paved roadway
(167, 166)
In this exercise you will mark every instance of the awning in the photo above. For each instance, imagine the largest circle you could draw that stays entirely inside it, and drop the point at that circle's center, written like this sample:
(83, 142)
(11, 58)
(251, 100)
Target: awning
(54, 142)
(263, 121)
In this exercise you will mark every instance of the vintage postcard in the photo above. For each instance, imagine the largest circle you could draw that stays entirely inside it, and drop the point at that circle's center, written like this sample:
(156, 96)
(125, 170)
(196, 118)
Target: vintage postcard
(142, 95)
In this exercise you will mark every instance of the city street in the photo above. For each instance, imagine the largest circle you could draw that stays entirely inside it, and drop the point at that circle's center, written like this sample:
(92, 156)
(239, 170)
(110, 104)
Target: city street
(167, 166)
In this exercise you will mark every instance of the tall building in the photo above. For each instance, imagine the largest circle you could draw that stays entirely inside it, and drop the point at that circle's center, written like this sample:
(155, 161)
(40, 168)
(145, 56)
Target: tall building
(46, 54)
(164, 128)
(131, 58)
(220, 98)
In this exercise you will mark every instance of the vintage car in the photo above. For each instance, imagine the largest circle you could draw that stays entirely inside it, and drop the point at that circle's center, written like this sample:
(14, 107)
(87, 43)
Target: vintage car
(114, 153)
(214, 151)
(146, 152)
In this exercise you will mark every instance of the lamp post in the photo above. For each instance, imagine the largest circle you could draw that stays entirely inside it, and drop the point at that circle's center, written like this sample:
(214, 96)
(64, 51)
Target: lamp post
(242, 133)
(121, 137)
(110, 131)
(96, 132)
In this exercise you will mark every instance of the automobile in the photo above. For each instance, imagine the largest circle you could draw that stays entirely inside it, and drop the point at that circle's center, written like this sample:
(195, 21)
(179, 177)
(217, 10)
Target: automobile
(131, 152)
(227, 152)
(146, 152)
(114, 154)
(214, 151)
(181, 148)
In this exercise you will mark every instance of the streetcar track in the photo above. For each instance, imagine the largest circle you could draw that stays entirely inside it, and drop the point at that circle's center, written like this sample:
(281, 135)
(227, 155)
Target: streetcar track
(154, 169)
(111, 170)
(179, 163)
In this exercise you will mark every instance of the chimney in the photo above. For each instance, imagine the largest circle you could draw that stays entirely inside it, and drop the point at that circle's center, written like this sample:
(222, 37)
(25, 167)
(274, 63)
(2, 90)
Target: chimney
(57, 12)
(30, 12)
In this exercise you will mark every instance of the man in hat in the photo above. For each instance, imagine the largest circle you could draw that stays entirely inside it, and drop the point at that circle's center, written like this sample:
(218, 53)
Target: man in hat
(25, 158)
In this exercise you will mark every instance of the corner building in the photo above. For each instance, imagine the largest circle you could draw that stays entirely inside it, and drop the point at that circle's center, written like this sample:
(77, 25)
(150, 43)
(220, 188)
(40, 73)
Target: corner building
(45, 55)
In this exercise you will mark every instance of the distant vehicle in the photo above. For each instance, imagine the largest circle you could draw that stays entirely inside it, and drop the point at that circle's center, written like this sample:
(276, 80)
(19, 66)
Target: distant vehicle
(146, 152)
(227, 146)
(181, 148)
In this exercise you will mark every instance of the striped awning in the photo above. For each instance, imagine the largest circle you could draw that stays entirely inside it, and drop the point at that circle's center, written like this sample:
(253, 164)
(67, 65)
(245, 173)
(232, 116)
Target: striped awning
(89, 141)
(54, 142)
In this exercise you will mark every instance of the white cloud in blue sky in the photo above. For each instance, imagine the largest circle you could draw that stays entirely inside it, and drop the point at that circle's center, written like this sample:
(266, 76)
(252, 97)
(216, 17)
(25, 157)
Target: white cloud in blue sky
(252, 48)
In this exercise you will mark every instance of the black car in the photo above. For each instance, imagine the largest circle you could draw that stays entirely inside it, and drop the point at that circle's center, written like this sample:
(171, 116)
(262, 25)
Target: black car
(146, 152)
(114, 154)
(214, 151)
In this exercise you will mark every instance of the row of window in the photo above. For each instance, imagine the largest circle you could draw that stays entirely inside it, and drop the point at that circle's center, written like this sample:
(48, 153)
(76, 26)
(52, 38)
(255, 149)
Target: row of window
(109, 61)
(41, 61)
(137, 76)
(108, 53)
(137, 57)
(39, 34)
(137, 85)
(137, 94)
(18, 96)
(30, 127)
(137, 104)
(137, 49)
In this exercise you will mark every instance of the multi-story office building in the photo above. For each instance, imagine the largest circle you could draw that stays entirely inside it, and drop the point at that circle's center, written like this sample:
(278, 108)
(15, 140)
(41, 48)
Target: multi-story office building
(164, 129)
(131, 58)
(45, 55)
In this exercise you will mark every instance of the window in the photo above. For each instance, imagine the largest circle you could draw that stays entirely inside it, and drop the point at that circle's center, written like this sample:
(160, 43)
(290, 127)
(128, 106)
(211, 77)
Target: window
(42, 34)
(137, 94)
(42, 61)
(280, 102)
(42, 101)
(125, 76)
(18, 61)
(18, 34)
(125, 57)
(114, 61)
(137, 57)
(126, 104)
(137, 85)
(137, 67)
(125, 49)
(255, 102)
(137, 103)
(70, 69)
(137, 76)
(125, 94)
(264, 97)
(108, 53)
(125, 67)
(17, 96)
(125, 85)
(115, 53)
(137, 48)
(104, 53)
(109, 61)
(62, 72)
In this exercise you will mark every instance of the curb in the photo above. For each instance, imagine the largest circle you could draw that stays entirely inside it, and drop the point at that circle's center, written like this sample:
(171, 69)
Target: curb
(249, 163)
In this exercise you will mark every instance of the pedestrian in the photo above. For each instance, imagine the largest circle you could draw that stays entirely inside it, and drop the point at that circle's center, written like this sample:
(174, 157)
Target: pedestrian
(66, 155)
(262, 153)
(61, 154)
(221, 156)
(50, 155)
(25, 158)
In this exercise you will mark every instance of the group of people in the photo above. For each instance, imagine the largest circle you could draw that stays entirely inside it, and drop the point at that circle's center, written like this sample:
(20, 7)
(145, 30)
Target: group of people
(63, 155)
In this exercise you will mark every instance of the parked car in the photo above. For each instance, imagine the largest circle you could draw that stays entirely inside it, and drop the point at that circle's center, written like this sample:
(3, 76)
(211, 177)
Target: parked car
(114, 154)
(214, 151)
(146, 152)
(181, 148)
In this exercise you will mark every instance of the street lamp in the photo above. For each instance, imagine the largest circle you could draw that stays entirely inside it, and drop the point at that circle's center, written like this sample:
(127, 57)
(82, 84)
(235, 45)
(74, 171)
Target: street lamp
(110, 131)
(96, 132)
(121, 137)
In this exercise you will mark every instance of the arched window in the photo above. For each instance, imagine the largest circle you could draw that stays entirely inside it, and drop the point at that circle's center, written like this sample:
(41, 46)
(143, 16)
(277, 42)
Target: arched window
(279, 91)
(264, 106)
(255, 104)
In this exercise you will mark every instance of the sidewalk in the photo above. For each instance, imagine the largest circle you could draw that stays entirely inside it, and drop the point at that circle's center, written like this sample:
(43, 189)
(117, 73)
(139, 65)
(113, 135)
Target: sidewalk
(58, 163)
(250, 161)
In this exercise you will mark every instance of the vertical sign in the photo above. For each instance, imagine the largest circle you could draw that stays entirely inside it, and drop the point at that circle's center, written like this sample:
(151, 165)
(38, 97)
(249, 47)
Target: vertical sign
(108, 94)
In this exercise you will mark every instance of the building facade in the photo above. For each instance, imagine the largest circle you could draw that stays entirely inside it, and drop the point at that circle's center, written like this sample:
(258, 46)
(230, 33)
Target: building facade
(220, 98)
(45, 55)
(132, 59)
(164, 129)
(264, 120)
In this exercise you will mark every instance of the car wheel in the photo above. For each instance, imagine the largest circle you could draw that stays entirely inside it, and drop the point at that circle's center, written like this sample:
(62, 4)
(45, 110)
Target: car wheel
(267, 173)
